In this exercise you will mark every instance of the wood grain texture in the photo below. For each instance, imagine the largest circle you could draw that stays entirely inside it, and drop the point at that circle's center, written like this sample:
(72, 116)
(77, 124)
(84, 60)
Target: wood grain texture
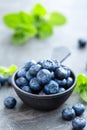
(23, 117)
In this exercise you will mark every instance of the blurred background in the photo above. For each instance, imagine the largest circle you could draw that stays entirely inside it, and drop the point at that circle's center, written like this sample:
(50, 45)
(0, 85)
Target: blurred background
(76, 27)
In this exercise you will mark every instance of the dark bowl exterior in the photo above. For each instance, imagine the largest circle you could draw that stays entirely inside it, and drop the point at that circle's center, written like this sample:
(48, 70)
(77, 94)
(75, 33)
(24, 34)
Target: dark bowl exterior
(43, 102)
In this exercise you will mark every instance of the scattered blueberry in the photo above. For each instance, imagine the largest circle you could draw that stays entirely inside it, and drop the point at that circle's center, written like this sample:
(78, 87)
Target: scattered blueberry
(2, 80)
(79, 109)
(21, 81)
(61, 90)
(51, 88)
(10, 102)
(44, 76)
(78, 123)
(82, 43)
(34, 69)
(26, 89)
(28, 76)
(9, 80)
(34, 85)
(68, 114)
(61, 73)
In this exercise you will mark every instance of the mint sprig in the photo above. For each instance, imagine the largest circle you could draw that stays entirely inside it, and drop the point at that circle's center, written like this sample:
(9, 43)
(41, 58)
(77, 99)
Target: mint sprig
(81, 86)
(37, 23)
(6, 71)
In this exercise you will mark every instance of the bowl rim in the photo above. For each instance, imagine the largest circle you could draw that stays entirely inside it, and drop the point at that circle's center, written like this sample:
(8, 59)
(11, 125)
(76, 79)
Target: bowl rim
(42, 96)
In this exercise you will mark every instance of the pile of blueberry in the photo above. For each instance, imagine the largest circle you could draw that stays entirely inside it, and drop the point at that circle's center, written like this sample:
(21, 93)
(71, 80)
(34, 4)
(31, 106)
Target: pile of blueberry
(5, 80)
(73, 114)
(45, 76)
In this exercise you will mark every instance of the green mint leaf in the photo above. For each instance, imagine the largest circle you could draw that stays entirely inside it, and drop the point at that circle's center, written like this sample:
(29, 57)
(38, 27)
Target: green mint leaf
(27, 29)
(12, 20)
(38, 10)
(23, 33)
(57, 19)
(26, 18)
(12, 69)
(83, 94)
(3, 71)
(6, 71)
(81, 82)
(19, 38)
(44, 31)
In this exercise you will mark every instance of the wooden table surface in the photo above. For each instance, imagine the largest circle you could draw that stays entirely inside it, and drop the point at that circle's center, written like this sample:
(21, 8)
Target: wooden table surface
(23, 117)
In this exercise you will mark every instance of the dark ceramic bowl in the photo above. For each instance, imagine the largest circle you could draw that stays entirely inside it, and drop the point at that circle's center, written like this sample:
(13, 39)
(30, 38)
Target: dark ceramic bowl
(43, 102)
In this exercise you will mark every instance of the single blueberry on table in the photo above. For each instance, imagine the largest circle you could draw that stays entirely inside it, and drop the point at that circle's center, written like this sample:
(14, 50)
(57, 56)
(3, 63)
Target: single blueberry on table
(29, 64)
(2, 80)
(21, 81)
(68, 114)
(34, 69)
(21, 72)
(61, 73)
(82, 43)
(79, 109)
(44, 76)
(26, 89)
(28, 76)
(34, 85)
(69, 81)
(9, 80)
(78, 123)
(61, 90)
(51, 88)
(10, 102)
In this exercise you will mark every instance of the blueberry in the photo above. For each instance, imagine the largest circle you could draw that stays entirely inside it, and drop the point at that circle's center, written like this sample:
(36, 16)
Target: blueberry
(69, 81)
(68, 114)
(26, 89)
(40, 62)
(34, 85)
(82, 43)
(21, 72)
(61, 73)
(68, 71)
(44, 76)
(10, 102)
(61, 83)
(78, 123)
(48, 64)
(28, 76)
(52, 75)
(9, 80)
(79, 109)
(29, 64)
(51, 88)
(2, 80)
(34, 69)
(61, 90)
(56, 64)
(21, 81)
